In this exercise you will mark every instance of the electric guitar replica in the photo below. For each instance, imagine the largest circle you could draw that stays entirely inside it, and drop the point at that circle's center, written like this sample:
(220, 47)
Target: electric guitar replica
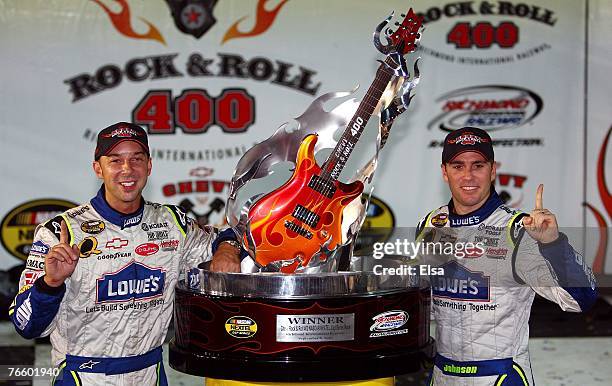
(303, 217)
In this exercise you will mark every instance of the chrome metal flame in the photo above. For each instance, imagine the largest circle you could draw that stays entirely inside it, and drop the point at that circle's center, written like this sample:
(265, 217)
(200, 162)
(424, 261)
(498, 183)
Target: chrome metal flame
(383, 48)
(283, 145)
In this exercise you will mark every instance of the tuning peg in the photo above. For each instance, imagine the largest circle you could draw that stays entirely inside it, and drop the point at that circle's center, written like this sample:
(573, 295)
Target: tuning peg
(403, 15)
(396, 23)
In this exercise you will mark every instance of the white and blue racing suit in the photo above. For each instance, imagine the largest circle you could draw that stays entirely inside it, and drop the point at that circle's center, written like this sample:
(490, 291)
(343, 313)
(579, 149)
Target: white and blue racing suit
(108, 321)
(482, 302)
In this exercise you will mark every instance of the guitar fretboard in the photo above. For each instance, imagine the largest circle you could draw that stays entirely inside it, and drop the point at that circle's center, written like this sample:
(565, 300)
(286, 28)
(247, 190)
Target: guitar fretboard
(337, 160)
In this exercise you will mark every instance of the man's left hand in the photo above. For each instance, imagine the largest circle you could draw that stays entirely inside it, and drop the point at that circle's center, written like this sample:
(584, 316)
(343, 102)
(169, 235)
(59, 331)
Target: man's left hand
(226, 259)
(541, 224)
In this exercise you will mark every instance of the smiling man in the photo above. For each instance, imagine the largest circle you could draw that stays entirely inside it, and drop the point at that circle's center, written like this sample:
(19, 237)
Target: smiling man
(100, 277)
(481, 304)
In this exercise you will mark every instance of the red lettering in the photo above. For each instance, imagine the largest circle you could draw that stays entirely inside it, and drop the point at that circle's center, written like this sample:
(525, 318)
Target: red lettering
(185, 187)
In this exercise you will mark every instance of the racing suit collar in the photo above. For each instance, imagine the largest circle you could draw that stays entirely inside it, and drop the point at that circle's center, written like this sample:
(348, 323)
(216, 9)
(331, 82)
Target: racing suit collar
(477, 216)
(120, 219)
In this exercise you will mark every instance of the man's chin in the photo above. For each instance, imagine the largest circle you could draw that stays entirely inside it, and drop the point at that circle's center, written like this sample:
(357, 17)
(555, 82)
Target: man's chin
(470, 201)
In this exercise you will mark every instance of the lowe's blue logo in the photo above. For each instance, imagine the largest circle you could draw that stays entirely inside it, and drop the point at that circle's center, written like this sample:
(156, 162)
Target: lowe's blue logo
(134, 281)
(40, 248)
(459, 283)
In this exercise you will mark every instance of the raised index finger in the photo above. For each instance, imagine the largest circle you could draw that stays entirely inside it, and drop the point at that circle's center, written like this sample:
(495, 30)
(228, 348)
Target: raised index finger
(539, 194)
(63, 233)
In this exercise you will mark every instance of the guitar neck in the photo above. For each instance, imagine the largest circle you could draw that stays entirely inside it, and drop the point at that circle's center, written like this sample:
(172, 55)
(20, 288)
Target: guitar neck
(337, 160)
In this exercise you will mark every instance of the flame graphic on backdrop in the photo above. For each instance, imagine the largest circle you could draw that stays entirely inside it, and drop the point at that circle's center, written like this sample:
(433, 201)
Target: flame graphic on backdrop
(264, 20)
(122, 23)
(606, 199)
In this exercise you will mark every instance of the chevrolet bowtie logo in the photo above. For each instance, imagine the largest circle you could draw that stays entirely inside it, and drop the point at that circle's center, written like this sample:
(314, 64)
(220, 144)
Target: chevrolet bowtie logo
(88, 365)
(116, 243)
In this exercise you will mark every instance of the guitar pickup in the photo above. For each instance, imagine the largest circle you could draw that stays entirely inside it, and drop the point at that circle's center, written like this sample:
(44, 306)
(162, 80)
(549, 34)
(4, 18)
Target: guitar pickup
(306, 216)
(298, 229)
(323, 186)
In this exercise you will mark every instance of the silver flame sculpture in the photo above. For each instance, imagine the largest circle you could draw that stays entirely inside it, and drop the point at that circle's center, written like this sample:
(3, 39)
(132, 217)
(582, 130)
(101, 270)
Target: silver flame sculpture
(283, 145)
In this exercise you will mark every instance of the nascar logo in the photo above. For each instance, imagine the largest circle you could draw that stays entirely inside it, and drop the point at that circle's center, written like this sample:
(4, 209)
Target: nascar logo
(135, 281)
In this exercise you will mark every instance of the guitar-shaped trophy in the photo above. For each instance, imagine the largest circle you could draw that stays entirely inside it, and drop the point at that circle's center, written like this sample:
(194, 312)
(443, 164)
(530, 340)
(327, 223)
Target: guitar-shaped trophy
(302, 224)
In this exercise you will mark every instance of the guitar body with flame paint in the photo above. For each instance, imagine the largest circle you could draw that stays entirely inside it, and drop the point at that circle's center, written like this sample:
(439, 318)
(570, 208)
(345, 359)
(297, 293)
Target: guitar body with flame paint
(303, 218)
(280, 232)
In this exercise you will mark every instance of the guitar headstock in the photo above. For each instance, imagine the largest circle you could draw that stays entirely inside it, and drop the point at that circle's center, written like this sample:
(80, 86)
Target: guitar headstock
(407, 33)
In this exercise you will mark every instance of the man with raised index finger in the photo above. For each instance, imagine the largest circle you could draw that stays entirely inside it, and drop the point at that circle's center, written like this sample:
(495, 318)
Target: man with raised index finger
(502, 258)
(100, 277)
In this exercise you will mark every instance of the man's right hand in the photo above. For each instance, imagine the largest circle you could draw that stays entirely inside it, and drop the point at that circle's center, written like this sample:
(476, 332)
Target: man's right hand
(61, 260)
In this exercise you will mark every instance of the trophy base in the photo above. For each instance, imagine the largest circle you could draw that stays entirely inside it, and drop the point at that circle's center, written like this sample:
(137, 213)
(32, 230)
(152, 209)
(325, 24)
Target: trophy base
(362, 327)
(291, 370)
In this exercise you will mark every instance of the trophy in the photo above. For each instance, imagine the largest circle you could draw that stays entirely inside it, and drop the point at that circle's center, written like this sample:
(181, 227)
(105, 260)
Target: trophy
(303, 225)
(291, 314)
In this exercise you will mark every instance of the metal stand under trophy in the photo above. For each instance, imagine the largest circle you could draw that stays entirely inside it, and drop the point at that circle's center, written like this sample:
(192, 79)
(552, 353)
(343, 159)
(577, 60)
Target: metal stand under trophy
(304, 309)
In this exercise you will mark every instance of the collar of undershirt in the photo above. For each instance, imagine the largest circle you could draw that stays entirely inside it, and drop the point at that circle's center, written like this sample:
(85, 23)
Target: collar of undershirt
(120, 219)
(476, 216)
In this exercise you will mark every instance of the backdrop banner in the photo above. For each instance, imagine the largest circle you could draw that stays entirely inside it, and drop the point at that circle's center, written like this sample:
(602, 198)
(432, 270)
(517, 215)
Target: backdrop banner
(208, 79)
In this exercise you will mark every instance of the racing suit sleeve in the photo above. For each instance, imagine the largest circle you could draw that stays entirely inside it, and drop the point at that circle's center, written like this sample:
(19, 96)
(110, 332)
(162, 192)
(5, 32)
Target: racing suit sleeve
(34, 308)
(225, 235)
(554, 270)
(420, 235)
(196, 247)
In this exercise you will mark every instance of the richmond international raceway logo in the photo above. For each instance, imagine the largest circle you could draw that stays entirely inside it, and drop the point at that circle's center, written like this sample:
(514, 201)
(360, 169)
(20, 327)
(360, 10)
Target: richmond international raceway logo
(193, 17)
(489, 107)
(599, 262)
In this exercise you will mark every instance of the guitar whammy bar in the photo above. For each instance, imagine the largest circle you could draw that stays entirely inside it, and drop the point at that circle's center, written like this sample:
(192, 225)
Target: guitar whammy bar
(302, 225)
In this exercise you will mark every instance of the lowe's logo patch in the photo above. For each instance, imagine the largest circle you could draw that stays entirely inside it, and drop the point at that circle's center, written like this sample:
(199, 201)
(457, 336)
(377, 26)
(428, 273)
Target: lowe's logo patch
(39, 248)
(134, 281)
(459, 283)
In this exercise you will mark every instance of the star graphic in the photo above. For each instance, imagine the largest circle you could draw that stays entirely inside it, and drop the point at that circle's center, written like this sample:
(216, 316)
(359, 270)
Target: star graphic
(193, 16)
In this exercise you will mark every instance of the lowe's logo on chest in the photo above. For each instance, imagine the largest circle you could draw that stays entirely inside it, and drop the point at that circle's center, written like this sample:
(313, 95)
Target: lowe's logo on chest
(459, 283)
(134, 281)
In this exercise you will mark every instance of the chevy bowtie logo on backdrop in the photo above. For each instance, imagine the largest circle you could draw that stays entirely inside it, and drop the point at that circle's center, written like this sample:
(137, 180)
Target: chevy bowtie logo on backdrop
(202, 197)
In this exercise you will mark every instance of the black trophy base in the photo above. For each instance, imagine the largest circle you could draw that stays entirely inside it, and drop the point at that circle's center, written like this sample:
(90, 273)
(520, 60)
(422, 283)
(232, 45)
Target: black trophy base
(290, 369)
